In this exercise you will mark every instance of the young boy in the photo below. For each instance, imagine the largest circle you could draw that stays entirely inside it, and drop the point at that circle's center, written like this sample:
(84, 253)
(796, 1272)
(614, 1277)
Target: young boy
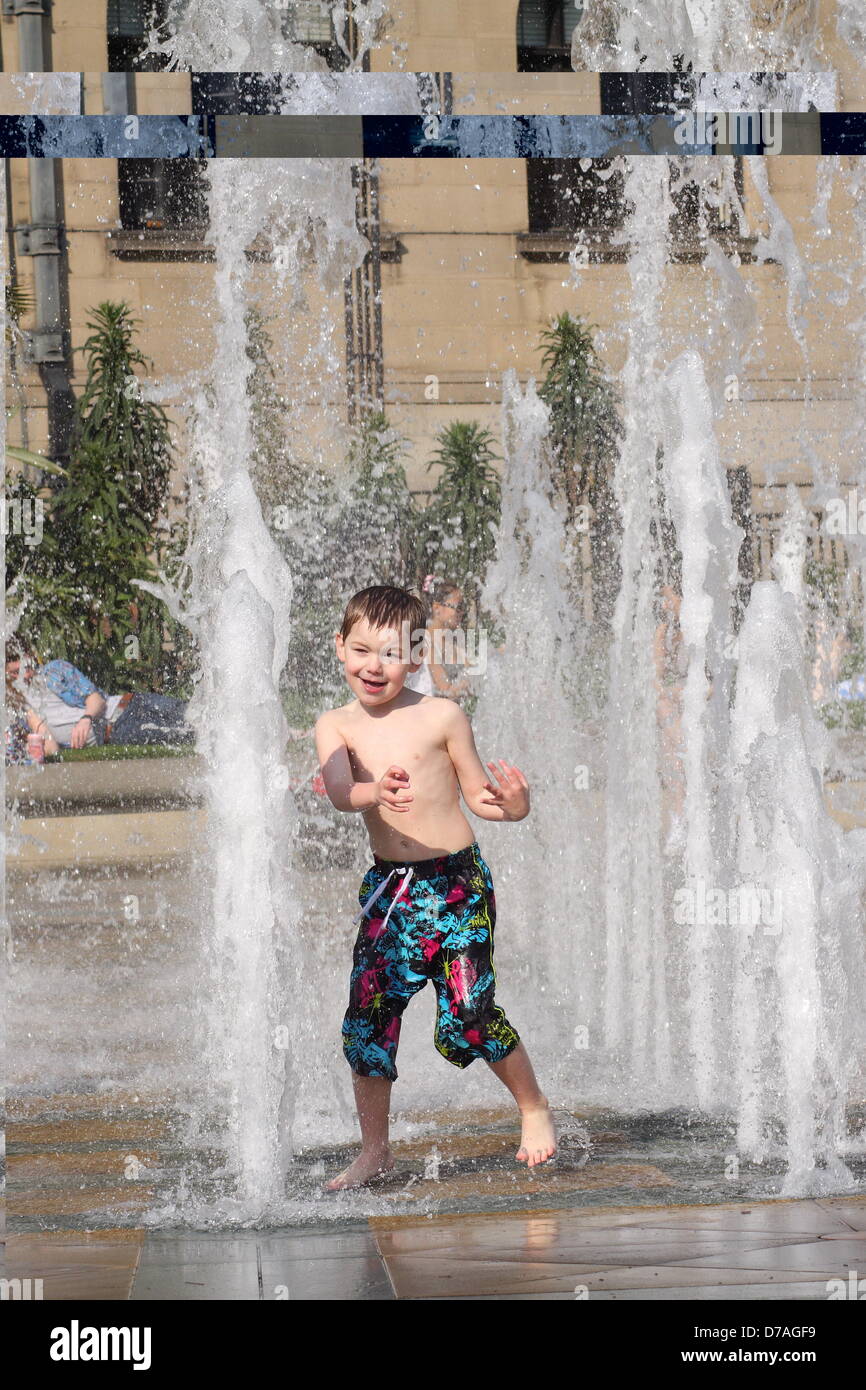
(428, 906)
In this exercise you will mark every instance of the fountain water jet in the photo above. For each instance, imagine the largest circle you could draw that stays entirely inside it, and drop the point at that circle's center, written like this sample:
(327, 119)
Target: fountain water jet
(636, 987)
(520, 716)
(719, 36)
(238, 605)
(709, 541)
(239, 608)
(798, 976)
(661, 1020)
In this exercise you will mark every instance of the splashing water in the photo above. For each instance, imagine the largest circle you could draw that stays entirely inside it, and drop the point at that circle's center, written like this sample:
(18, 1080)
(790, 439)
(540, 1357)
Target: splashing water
(799, 961)
(650, 1016)
(625, 999)
(636, 988)
(709, 541)
(704, 828)
(245, 36)
(543, 878)
(239, 607)
(712, 35)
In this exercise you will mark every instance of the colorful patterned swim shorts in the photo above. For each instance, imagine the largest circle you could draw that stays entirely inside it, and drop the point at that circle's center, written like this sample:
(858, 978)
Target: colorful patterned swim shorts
(431, 919)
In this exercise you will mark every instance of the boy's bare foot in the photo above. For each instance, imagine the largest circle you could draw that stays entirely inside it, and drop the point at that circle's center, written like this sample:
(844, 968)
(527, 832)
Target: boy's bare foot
(367, 1168)
(538, 1136)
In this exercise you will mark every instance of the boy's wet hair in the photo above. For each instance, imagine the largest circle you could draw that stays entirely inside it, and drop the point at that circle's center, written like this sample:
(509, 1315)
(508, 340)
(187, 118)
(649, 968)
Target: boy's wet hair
(384, 606)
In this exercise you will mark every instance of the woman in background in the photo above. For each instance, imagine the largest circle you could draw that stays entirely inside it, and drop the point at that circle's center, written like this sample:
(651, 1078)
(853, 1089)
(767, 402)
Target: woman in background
(447, 610)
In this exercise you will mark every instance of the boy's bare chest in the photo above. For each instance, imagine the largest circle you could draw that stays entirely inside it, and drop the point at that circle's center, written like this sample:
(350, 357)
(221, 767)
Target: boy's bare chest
(409, 743)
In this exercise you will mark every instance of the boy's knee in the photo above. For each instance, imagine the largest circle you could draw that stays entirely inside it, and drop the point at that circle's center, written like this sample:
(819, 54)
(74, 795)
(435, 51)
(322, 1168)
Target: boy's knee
(460, 1046)
(489, 1036)
(369, 1061)
(376, 1074)
(365, 1052)
(461, 1057)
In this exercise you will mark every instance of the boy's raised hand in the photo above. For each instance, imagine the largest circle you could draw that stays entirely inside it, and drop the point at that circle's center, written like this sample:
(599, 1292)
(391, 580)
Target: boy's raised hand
(512, 793)
(393, 789)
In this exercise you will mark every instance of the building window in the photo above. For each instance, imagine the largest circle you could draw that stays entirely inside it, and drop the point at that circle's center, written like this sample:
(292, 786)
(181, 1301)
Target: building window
(235, 93)
(310, 22)
(563, 197)
(544, 30)
(162, 195)
(645, 93)
(129, 23)
(566, 198)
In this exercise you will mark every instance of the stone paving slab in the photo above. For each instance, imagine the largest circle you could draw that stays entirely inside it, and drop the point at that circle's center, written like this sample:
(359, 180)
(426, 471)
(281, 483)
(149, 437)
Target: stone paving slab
(766, 1251)
(86, 1130)
(36, 1106)
(233, 1280)
(85, 1200)
(67, 1169)
(54, 1169)
(74, 1265)
(566, 1253)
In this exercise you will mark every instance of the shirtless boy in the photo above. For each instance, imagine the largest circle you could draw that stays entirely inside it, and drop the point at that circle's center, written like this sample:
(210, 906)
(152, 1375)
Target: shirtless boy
(428, 906)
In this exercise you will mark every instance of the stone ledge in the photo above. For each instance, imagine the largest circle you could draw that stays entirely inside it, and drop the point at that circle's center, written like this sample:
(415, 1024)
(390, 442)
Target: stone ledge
(152, 840)
(130, 784)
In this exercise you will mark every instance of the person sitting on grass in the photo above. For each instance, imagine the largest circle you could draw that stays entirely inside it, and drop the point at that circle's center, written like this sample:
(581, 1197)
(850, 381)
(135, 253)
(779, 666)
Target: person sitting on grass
(21, 721)
(71, 705)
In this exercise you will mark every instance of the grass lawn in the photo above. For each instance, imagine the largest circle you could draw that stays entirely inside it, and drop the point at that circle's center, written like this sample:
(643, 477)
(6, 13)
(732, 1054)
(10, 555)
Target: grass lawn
(108, 752)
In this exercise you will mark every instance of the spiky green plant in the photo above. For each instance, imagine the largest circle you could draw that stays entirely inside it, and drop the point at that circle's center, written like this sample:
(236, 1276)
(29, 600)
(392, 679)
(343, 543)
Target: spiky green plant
(75, 589)
(19, 301)
(457, 537)
(584, 420)
(585, 429)
(378, 521)
(134, 432)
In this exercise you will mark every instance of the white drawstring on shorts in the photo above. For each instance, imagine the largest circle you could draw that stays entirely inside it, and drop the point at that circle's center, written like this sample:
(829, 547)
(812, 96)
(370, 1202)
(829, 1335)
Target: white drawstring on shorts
(382, 886)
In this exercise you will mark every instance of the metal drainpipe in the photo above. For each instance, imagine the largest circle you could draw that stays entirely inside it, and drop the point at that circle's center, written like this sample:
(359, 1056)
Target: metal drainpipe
(49, 345)
(12, 269)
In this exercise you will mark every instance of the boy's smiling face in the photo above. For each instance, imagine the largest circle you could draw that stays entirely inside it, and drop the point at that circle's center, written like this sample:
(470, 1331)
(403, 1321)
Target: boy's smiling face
(371, 660)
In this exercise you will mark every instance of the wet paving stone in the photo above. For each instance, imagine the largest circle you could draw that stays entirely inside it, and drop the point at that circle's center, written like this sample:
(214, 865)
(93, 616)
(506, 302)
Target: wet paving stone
(630, 1207)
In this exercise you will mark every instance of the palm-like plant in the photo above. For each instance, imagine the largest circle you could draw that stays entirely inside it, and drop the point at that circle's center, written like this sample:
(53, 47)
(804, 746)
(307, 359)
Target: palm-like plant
(378, 521)
(134, 432)
(584, 420)
(100, 543)
(19, 301)
(75, 590)
(585, 429)
(457, 530)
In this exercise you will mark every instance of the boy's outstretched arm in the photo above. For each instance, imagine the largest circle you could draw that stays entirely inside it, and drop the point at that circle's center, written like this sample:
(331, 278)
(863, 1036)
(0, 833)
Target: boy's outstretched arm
(508, 799)
(392, 790)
